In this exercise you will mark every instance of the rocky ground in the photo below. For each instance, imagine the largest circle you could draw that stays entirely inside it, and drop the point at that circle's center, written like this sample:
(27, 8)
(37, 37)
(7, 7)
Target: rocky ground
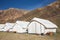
(16, 36)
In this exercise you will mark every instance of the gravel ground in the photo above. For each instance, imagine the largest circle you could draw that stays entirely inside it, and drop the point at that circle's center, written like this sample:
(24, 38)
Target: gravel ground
(16, 36)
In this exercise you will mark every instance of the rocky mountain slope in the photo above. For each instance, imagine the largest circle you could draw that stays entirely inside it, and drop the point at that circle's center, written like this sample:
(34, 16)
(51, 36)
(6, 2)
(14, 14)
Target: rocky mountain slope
(11, 14)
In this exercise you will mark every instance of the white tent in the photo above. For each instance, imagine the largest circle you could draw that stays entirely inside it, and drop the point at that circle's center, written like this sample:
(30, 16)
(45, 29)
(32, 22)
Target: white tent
(40, 26)
(8, 26)
(20, 27)
(2, 27)
(17, 28)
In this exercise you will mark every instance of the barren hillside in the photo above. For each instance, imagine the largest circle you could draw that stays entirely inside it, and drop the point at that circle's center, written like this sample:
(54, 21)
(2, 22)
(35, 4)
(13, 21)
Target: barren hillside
(11, 14)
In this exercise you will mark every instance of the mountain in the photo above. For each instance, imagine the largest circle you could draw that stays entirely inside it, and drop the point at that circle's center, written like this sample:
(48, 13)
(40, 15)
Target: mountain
(50, 12)
(11, 14)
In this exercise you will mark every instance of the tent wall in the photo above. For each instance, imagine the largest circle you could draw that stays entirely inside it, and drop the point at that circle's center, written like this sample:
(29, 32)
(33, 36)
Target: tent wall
(17, 28)
(8, 26)
(2, 27)
(50, 30)
(39, 28)
(31, 28)
(35, 27)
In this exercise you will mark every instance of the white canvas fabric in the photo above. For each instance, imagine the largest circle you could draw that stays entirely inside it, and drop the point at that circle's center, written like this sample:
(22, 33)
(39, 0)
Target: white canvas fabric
(47, 23)
(17, 28)
(31, 28)
(50, 30)
(35, 27)
(2, 27)
(23, 24)
(8, 26)
(39, 26)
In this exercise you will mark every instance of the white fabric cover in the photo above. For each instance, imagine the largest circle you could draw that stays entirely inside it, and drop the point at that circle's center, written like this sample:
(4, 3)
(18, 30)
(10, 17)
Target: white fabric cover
(8, 26)
(2, 27)
(47, 23)
(35, 27)
(23, 24)
(50, 30)
(31, 28)
(17, 28)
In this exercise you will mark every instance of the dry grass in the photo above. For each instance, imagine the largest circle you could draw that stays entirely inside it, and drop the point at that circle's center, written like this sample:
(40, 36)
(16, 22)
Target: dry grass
(16, 36)
(57, 37)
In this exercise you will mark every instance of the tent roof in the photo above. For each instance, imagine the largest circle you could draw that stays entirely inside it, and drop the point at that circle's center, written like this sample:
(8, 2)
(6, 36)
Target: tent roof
(10, 24)
(2, 25)
(22, 23)
(47, 23)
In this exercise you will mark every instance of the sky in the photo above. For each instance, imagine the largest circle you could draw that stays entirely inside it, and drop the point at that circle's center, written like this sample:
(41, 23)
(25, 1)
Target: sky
(24, 4)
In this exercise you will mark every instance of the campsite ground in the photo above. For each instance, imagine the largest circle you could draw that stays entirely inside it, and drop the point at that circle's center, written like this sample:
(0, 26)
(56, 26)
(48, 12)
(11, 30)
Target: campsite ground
(16, 36)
